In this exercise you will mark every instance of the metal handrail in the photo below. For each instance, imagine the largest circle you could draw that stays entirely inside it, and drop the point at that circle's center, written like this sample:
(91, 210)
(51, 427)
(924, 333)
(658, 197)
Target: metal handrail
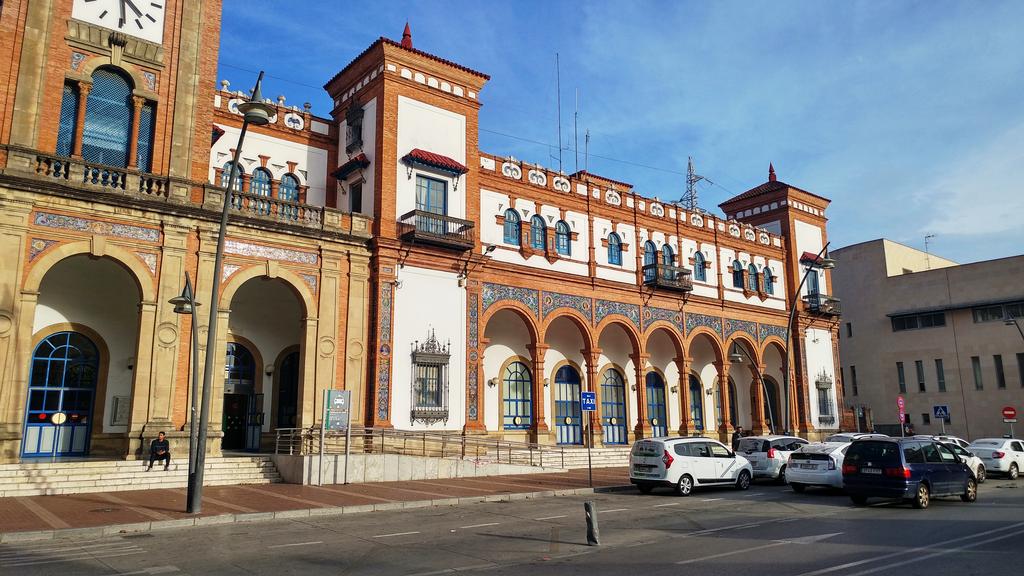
(371, 440)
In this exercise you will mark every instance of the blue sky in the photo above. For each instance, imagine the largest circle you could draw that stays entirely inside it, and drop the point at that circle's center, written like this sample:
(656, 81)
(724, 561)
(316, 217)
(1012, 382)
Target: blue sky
(909, 116)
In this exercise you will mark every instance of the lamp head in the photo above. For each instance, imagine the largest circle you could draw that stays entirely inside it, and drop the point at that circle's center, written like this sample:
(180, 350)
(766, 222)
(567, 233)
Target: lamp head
(181, 304)
(256, 111)
(735, 356)
(827, 263)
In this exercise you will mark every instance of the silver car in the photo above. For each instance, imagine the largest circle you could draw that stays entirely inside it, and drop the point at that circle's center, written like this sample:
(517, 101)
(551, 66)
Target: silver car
(768, 455)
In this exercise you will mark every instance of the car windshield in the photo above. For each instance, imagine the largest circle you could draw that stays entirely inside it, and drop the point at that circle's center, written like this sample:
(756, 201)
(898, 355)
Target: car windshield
(751, 445)
(880, 453)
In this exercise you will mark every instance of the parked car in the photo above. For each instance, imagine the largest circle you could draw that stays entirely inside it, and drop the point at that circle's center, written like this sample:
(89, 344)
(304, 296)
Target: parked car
(905, 468)
(769, 454)
(817, 464)
(1000, 455)
(685, 463)
(945, 439)
(972, 461)
(851, 436)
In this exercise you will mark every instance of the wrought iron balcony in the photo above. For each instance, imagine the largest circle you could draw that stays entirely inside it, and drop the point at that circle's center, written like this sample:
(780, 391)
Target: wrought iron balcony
(823, 304)
(826, 419)
(668, 277)
(437, 229)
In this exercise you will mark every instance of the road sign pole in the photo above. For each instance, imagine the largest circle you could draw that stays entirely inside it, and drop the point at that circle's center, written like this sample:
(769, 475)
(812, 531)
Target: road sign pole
(323, 434)
(348, 442)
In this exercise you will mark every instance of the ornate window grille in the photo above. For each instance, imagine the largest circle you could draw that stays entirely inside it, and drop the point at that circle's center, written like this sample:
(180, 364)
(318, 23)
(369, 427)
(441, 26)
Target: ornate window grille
(430, 380)
(823, 383)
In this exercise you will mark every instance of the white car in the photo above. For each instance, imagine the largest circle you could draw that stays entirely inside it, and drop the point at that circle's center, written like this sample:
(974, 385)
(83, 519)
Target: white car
(851, 436)
(945, 439)
(973, 462)
(818, 464)
(768, 454)
(1000, 455)
(685, 463)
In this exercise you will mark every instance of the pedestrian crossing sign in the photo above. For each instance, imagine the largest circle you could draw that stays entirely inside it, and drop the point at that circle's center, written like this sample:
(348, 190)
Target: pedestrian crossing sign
(941, 411)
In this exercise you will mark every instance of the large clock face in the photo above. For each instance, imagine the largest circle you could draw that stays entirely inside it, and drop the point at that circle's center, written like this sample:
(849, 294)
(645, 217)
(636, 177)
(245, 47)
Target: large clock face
(140, 18)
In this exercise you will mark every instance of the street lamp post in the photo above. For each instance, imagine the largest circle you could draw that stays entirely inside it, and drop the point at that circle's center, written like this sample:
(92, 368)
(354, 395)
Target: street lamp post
(186, 304)
(819, 262)
(257, 113)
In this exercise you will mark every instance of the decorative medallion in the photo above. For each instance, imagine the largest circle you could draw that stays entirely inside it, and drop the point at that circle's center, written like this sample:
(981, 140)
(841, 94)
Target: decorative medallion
(326, 346)
(748, 234)
(734, 230)
(510, 170)
(695, 320)
(734, 326)
(228, 270)
(537, 177)
(150, 259)
(294, 121)
(767, 330)
(38, 246)
(652, 315)
(696, 220)
(657, 210)
(763, 238)
(494, 293)
(269, 252)
(605, 308)
(554, 300)
(612, 197)
(167, 334)
(100, 227)
(561, 184)
(6, 322)
(311, 280)
(76, 60)
(473, 356)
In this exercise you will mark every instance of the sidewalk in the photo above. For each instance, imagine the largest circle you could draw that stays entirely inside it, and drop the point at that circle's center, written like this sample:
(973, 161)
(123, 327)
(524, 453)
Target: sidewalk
(103, 513)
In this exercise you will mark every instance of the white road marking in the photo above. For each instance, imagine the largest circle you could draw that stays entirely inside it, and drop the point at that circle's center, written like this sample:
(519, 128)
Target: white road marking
(478, 525)
(295, 544)
(939, 553)
(613, 510)
(395, 534)
(68, 559)
(664, 505)
(551, 517)
(453, 570)
(730, 553)
(711, 499)
(153, 570)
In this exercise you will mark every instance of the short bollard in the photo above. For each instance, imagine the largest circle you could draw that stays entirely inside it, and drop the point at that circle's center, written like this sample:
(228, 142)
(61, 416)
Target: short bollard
(593, 532)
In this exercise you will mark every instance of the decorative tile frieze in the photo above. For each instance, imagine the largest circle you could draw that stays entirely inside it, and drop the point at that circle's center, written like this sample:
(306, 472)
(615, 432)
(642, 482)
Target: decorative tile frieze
(474, 321)
(38, 246)
(767, 330)
(606, 308)
(385, 316)
(269, 252)
(652, 315)
(734, 326)
(695, 320)
(553, 301)
(494, 293)
(150, 259)
(311, 280)
(383, 388)
(150, 79)
(100, 227)
(228, 270)
(473, 392)
(76, 60)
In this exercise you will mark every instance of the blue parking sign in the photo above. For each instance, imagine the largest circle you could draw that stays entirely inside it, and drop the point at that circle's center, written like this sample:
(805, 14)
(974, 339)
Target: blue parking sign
(941, 411)
(588, 401)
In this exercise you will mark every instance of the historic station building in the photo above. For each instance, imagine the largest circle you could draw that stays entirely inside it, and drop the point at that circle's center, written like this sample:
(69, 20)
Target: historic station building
(375, 249)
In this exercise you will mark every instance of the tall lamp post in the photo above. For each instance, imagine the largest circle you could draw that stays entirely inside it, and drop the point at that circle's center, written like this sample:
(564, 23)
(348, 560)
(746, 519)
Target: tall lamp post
(186, 304)
(825, 263)
(257, 113)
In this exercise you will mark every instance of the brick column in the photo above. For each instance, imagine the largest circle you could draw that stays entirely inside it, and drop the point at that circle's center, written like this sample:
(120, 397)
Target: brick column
(83, 97)
(133, 138)
(643, 423)
(593, 384)
(757, 420)
(539, 429)
(725, 429)
(685, 423)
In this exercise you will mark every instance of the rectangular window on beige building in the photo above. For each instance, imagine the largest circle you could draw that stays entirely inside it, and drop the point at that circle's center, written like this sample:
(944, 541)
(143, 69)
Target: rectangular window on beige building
(901, 376)
(919, 365)
(940, 374)
(1020, 370)
(976, 364)
(853, 375)
(1000, 376)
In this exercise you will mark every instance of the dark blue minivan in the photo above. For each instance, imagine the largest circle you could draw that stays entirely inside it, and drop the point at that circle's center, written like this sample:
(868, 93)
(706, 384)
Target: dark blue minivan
(905, 469)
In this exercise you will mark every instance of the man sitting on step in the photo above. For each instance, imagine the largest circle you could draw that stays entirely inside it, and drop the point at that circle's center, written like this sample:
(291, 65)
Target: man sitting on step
(160, 449)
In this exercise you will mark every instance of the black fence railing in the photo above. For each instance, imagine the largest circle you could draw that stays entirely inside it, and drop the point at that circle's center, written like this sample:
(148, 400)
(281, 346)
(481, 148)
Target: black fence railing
(668, 277)
(823, 304)
(437, 229)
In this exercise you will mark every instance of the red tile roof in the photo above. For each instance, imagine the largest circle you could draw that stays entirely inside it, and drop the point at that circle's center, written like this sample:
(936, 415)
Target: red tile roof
(810, 257)
(583, 174)
(435, 160)
(388, 41)
(766, 188)
(355, 163)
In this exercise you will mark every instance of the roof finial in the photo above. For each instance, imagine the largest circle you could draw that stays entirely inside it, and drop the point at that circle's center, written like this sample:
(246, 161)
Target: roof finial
(407, 37)
(771, 172)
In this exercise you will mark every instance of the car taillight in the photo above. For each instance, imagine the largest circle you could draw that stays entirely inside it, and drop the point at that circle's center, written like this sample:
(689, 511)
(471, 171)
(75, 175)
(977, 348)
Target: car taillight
(849, 469)
(771, 453)
(832, 464)
(667, 459)
(902, 472)
(997, 454)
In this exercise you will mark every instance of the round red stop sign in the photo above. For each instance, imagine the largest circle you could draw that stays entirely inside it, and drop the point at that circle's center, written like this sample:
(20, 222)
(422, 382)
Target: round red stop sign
(1009, 412)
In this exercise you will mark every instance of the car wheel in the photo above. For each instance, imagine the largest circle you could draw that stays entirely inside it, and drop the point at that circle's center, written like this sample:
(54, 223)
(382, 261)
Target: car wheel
(859, 500)
(1014, 472)
(782, 474)
(797, 487)
(971, 492)
(644, 488)
(982, 475)
(922, 497)
(685, 485)
(743, 481)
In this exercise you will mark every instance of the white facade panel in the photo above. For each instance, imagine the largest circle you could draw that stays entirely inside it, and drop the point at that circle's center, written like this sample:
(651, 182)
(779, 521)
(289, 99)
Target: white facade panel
(434, 130)
(808, 239)
(820, 362)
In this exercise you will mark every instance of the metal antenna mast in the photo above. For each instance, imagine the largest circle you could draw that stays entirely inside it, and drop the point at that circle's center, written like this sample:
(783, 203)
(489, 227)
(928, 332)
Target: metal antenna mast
(558, 100)
(927, 252)
(689, 200)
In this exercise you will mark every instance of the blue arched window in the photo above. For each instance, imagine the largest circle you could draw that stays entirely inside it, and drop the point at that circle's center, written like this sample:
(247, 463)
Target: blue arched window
(68, 116)
(226, 174)
(144, 147)
(737, 274)
(650, 258)
(239, 366)
(752, 277)
(696, 403)
(699, 273)
(769, 283)
(813, 288)
(517, 396)
(614, 249)
(108, 119)
(668, 256)
(512, 227)
(260, 183)
(288, 190)
(613, 407)
(538, 233)
(562, 238)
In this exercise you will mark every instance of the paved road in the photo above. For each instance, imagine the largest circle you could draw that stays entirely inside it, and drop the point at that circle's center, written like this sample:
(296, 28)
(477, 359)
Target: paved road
(767, 529)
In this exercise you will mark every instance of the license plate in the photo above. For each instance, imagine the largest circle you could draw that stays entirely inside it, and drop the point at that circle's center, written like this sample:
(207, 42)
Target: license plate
(643, 466)
(808, 466)
(870, 470)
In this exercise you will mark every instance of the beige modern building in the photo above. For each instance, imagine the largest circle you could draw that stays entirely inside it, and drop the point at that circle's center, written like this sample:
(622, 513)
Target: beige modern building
(933, 331)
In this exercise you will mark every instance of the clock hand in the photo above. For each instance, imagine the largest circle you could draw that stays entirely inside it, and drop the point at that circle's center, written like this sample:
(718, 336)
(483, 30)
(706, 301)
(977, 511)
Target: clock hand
(133, 7)
(121, 22)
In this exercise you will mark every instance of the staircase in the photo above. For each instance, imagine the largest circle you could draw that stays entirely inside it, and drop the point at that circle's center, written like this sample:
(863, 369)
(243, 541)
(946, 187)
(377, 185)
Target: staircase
(41, 478)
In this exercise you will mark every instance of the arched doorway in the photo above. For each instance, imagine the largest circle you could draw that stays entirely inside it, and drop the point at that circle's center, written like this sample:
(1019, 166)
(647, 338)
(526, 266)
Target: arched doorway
(656, 412)
(239, 387)
(613, 407)
(772, 415)
(64, 376)
(517, 396)
(568, 416)
(287, 391)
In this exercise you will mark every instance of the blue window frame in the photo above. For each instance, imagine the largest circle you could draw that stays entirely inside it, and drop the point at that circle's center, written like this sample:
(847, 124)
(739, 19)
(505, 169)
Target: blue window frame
(64, 376)
(108, 119)
(696, 403)
(568, 415)
(769, 284)
(226, 175)
(813, 288)
(512, 235)
(517, 396)
(239, 365)
(260, 182)
(752, 277)
(431, 195)
(650, 257)
(699, 273)
(68, 117)
(288, 189)
(614, 249)
(656, 413)
(613, 407)
(737, 274)
(538, 233)
(562, 238)
(144, 144)
(668, 256)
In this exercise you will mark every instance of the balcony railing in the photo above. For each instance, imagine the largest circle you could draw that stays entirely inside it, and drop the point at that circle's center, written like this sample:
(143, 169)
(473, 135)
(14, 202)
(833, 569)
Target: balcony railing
(436, 229)
(668, 277)
(826, 419)
(823, 304)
